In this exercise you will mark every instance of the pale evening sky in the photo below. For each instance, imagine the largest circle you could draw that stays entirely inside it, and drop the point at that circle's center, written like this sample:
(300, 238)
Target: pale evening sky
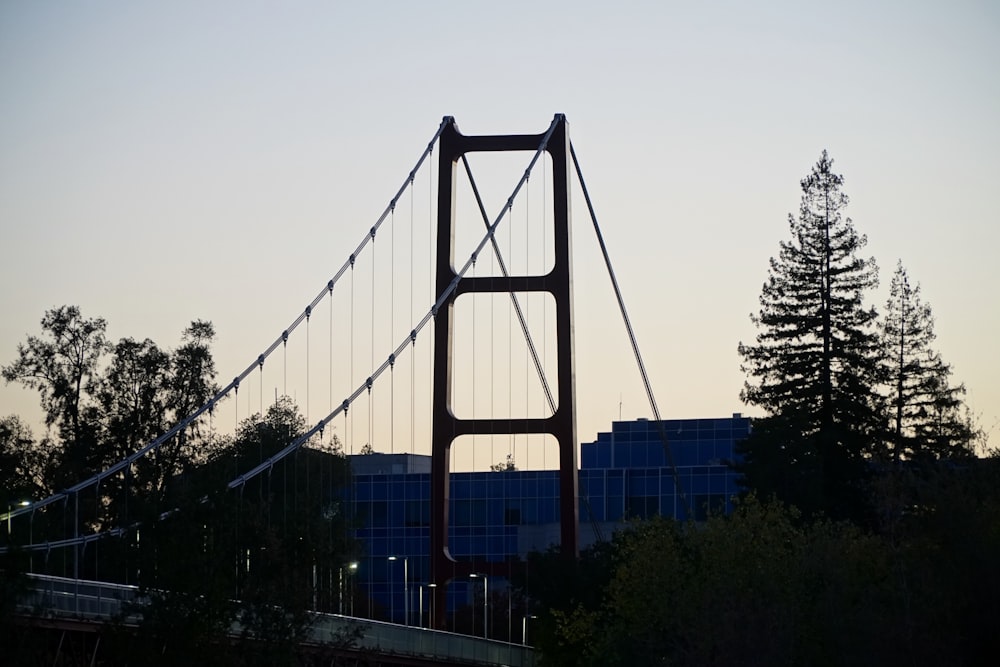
(162, 162)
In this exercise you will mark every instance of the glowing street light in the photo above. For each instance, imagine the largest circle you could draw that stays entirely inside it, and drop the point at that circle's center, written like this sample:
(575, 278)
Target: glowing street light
(486, 595)
(10, 510)
(430, 593)
(352, 567)
(406, 592)
(524, 628)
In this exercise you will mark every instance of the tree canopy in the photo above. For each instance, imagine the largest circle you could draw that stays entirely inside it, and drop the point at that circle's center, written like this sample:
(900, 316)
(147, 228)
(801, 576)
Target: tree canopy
(926, 413)
(814, 365)
(204, 556)
(767, 586)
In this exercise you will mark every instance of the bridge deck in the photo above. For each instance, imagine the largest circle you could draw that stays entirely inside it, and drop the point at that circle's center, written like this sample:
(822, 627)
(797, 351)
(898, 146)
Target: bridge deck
(94, 602)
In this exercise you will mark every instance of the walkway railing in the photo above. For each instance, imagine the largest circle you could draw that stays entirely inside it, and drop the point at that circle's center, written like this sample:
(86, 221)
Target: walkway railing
(96, 601)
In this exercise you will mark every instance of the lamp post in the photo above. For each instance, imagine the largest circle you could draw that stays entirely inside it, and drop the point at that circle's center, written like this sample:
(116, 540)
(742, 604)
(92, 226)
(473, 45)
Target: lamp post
(430, 586)
(10, 510)
(524, 628)
(406, 591)
(486, 596)
(352, 567)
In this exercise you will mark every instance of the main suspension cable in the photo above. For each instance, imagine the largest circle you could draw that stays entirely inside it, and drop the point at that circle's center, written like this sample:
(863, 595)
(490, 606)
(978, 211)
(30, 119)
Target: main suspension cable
(441, 301)
(232, 386)
(268, 464)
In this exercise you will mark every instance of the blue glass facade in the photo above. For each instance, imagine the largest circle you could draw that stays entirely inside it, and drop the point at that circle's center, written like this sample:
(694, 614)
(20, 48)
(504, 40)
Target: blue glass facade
(499, 516)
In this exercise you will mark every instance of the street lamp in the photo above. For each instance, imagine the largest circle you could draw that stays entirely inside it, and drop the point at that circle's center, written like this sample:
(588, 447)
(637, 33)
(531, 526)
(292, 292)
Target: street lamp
(10, 510)
(486, 595)
(524, 628)
(352, 567)
(431, 586)
(406, 592)
(420, 606)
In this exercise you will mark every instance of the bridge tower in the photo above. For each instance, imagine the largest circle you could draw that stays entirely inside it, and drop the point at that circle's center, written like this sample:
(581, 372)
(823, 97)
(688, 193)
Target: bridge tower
(558, 282)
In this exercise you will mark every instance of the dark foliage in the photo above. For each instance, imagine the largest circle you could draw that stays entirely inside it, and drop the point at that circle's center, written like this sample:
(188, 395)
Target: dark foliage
(207, 559)
(814, 365)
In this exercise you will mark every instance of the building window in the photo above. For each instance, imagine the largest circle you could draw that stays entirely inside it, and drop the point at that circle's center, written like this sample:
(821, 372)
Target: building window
(379, 514)
(418, 513)
(512, 516)
(470, 512)
(643, 507)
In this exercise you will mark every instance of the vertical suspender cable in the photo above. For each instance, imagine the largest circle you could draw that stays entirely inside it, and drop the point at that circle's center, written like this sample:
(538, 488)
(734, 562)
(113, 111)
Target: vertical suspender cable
(308, 320)
(493, 405)
(510, 337)
(371, 390)
(97, 504)
(295, 467)
(413, 343)
(392, 324)
(430, 291)
(527, 308)
(474, 353)
(351, 438)
(545, 301)
(330, 288)
(515, 302)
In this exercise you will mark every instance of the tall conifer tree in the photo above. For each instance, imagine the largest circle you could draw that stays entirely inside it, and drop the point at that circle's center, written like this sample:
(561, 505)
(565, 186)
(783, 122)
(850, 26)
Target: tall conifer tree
(925, 410)
(814, 365)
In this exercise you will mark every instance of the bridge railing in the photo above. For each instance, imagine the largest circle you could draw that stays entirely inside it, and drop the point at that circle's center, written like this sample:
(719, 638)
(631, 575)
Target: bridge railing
(98, 601)
(389, 638)
(92, 600)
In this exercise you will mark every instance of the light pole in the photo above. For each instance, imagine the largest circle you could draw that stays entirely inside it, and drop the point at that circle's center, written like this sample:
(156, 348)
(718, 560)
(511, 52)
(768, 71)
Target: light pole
(406, 591)
(352, 567)
(524, 628)
(431, 586)
(10, 510)
(486, 596)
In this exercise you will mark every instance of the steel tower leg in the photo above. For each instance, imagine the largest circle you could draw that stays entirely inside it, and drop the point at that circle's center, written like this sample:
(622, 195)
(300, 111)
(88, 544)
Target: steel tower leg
(558, 282)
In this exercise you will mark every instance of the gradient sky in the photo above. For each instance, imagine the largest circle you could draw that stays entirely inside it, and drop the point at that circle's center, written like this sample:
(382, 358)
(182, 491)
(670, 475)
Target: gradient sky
(161, 162)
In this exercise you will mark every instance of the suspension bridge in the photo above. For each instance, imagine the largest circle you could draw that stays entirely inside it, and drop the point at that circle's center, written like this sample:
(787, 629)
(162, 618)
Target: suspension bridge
(447, 330)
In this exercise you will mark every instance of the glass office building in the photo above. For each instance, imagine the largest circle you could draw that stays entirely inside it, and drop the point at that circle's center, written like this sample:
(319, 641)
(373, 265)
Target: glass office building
(625, 473)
